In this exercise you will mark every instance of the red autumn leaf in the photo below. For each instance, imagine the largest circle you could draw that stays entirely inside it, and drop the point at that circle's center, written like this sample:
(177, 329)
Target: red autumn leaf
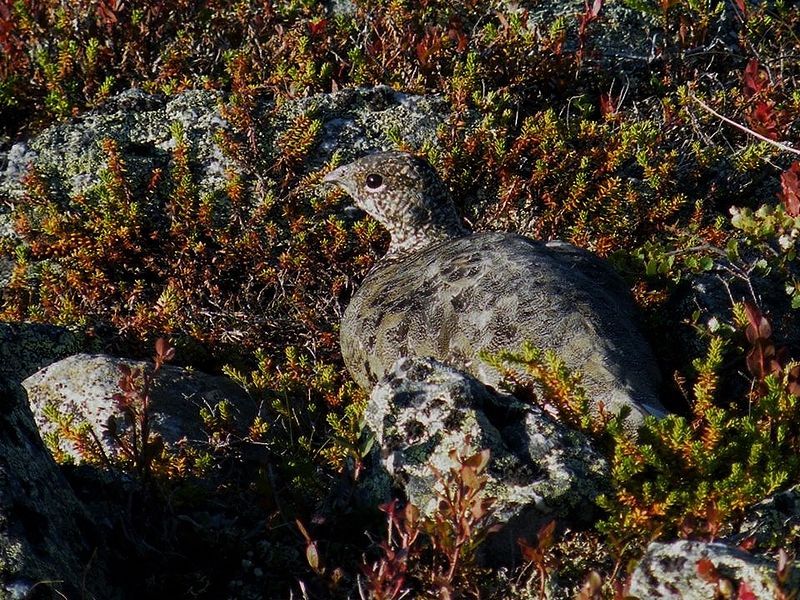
(759, 327)
(532, 554)
(389, 507)
(478, 461)
(318, 27)
(742, 7)
(590, 13)
(545, 534)
(429, 45)
(790, 189)
(707, 571)
(312, 555)
(608, 105)
(755, 80)
(459, 37)
(770, 360)
(764, 120)
(783, 566)
(107, 10)
(745, 593)
(164, 351)
(748, 544)
(794, 381)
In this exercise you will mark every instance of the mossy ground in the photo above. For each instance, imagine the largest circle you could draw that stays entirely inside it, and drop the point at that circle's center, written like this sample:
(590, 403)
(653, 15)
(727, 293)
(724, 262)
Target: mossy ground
(563, 124)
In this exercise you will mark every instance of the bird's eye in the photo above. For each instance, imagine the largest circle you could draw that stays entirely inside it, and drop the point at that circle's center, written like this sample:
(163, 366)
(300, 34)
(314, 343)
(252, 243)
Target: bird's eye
(374, 181)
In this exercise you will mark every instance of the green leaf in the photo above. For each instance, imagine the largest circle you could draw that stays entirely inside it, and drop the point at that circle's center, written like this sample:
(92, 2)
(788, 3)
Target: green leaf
(706, 263)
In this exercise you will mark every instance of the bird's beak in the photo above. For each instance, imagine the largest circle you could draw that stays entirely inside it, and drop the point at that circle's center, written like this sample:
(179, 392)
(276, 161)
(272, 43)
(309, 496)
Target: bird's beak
(334, 176)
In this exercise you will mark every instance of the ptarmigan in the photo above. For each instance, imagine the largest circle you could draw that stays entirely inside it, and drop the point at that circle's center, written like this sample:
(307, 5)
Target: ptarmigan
(446, 293)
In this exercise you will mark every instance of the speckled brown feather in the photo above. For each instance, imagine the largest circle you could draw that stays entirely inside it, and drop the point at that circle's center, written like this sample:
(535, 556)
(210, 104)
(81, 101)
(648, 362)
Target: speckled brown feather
(449, 295)
(413, 204)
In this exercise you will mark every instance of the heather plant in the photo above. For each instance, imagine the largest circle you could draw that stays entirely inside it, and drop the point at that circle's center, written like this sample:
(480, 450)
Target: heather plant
(689, 475)
(68, 429)
(436, 553)
(101, 262)
(137, 444)
(325, 429)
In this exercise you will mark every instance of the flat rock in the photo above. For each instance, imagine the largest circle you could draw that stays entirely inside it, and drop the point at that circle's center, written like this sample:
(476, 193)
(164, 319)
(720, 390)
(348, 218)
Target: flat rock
(772, 523)
(83, 386)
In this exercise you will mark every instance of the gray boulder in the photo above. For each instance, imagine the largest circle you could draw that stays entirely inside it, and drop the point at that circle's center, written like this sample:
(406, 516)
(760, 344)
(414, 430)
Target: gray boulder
(671, 571)
(80, 388)
(70, 156)
(709, 297)
(422, 410)
(49, 545)
(362, 120)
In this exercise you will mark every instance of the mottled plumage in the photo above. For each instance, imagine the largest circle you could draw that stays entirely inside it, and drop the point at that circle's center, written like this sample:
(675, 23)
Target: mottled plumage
(445, 293)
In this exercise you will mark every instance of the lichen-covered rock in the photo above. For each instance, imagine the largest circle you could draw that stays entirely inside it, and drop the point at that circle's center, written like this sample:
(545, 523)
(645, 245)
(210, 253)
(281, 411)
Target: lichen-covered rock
(49, 546)
(82, 387)
(671, 571)
(422, 409)
(626, 38)
(362, 120)
(708, 298)
(25, 348)
(70, 156)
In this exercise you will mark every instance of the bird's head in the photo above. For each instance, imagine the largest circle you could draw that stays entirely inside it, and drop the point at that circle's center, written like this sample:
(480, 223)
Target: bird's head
(404, 194)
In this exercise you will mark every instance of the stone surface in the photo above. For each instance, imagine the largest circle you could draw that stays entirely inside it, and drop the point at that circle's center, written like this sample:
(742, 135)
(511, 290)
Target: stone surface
(709, 297)
(363, 120)
(49, 546)
(70, 157)
(773, 522)
(25, 348)
(670, 571)
(628, 38)
(83, 385)
(444, 293)
(421, 410)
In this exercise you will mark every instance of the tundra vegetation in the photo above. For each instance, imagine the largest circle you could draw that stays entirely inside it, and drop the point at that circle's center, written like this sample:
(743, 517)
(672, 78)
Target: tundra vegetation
(675, 161)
